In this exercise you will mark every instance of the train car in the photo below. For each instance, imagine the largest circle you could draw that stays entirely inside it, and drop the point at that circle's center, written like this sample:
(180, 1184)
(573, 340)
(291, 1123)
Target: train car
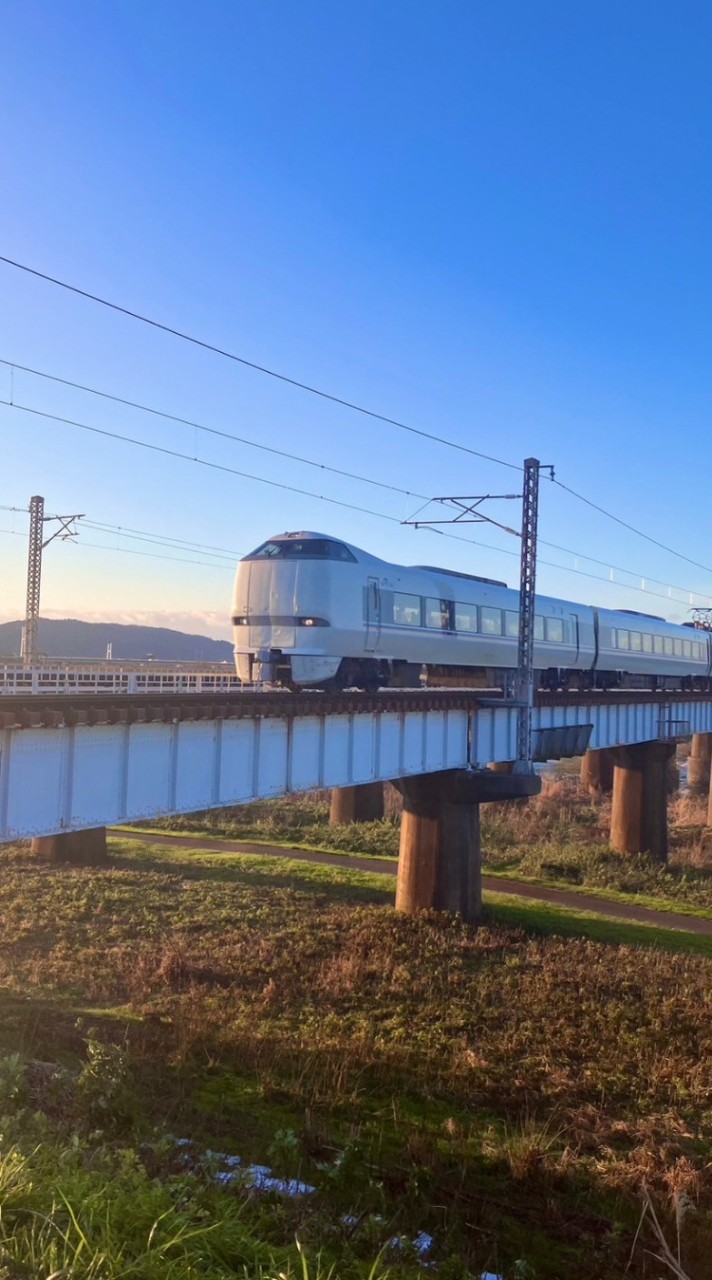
(314, 611)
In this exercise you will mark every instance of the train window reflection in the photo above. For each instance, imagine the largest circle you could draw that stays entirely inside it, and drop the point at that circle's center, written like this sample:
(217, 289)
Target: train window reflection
(406, 609)
(465, 617)
(647, 644)
(623, 639)
(678, 648)
(511, 623)
(437, 613)
(658, 645)
(668, 645)
(538, 628)
(687, 648)
(635, 641)
(302, 549)
(554, 630)
(491, 621)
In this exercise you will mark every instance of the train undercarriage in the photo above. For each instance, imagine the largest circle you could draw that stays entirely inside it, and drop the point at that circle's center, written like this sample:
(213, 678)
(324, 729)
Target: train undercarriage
(370, 674)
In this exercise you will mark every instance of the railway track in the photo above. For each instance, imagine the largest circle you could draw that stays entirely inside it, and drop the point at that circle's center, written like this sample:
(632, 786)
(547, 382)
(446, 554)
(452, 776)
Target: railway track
(55, 710)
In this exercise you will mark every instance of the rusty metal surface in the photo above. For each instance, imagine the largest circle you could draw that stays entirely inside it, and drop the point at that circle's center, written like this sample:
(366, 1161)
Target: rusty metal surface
(54, 710)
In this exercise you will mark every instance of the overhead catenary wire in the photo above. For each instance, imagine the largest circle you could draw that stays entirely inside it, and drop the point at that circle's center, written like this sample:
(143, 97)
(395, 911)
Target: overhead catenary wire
(130, 551)
(257, 368)
(213, 431)
(380, 515)
(310, 462)
(325, 395)
(631, 528)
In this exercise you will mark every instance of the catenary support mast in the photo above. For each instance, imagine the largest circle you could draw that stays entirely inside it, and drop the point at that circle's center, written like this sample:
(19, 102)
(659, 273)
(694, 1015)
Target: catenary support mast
(527, 595)
(38, 519)
(34, 574)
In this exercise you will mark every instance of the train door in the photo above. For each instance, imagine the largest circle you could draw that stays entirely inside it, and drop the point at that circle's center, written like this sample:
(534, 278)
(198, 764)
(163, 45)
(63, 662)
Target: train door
(373, 615)
(575, 637)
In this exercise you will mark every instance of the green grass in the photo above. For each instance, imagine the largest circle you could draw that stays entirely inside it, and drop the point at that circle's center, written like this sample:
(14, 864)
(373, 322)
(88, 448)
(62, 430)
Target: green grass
(511, 1090)
(559, 839)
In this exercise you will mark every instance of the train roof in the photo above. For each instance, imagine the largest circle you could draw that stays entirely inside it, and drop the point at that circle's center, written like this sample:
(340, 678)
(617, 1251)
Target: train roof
(455, 573)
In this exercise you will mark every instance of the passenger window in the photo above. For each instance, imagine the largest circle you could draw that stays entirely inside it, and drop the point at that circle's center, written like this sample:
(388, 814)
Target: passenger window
(647, 644)
(687, 648)
(406, 609)
(555, 630)
(538, 628)
(491, 621)
(635, 641)
(465, 617)
(511, 623)
(614, 642)
(658, 646)
(668, 645)
(678, 648)
(623, 639)
(437, 613)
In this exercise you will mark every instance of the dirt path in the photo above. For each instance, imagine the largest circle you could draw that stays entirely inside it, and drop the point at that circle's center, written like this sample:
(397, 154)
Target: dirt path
(491, 884)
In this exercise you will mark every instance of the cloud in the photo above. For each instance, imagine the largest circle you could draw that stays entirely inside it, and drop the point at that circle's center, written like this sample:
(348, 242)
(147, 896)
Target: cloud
(205, 622)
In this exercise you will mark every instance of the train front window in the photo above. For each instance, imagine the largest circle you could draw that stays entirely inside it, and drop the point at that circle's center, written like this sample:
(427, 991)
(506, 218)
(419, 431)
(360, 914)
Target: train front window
(302, 549)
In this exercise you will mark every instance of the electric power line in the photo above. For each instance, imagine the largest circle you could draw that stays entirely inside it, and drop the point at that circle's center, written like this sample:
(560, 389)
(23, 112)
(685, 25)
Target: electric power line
(325, 395)
(321, 466)
(380, 515)
(632, 528)
(129, 551)
(258, 368)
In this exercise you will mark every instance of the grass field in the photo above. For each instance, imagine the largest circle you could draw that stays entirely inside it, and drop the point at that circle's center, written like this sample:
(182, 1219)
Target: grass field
(531, 1096)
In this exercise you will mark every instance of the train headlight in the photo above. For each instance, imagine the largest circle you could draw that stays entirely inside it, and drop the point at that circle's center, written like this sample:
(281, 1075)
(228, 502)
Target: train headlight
(311, 622)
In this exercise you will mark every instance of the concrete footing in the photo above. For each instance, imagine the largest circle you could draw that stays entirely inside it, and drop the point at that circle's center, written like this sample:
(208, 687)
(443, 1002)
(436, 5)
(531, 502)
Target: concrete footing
(356, 804)
(699, 763)
(639, 811)
(87, 848)
(597, 772)
(440, 866)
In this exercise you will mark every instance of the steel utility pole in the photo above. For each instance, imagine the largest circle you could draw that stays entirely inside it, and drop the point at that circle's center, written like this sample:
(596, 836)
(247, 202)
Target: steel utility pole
(28, 649)
(527, 604)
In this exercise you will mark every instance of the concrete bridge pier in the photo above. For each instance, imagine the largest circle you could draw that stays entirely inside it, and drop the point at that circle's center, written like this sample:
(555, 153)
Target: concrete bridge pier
(699, 763)
(597, 772)
(85, 848)
(363, 803)
(440, 865)
(639, 811)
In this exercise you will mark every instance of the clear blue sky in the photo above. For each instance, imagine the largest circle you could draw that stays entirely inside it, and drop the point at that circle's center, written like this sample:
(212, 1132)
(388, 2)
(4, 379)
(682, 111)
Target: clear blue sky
(490, 220)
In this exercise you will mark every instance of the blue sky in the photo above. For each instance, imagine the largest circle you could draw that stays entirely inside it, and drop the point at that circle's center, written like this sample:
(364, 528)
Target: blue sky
(490, 221)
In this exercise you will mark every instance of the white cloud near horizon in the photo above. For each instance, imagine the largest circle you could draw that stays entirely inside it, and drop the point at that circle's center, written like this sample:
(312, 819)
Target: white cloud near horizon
(212, 623)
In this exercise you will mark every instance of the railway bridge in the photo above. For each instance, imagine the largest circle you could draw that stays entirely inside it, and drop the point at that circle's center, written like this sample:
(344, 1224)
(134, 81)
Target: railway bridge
(73, 763)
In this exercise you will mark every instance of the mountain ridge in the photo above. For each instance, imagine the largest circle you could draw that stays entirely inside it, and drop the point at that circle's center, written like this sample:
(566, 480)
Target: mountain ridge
(73, 638)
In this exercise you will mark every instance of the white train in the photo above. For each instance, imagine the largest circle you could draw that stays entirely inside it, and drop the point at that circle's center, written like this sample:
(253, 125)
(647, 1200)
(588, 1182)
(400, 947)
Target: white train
(310, 610)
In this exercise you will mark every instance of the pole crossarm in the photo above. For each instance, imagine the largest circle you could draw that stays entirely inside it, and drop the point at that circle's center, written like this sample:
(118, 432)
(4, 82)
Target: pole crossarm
(468, 511)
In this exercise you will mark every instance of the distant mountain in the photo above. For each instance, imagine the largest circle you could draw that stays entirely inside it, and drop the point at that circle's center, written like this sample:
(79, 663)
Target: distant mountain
(70, 638)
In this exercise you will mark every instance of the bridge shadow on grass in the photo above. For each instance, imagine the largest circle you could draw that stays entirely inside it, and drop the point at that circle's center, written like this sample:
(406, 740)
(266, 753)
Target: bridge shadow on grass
(339, 884)
(564, 922)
